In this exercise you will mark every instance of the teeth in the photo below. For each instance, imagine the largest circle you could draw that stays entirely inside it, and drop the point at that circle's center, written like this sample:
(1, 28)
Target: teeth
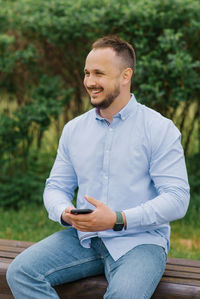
(95, 91)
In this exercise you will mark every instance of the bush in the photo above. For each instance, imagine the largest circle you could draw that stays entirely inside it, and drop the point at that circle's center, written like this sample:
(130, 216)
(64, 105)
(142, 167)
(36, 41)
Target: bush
(24, 166)
(194, 180)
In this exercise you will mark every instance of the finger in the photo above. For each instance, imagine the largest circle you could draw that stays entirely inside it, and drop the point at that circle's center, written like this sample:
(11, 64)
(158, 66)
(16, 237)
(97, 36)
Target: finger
(78, 218)
(68, 209)
(93, 201)
(83, 228)
(79, 226)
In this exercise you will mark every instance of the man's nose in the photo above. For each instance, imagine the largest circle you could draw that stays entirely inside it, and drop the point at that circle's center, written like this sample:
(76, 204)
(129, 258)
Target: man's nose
(90, 81)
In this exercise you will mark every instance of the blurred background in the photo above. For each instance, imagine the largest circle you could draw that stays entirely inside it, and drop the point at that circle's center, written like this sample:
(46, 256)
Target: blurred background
(43, 45)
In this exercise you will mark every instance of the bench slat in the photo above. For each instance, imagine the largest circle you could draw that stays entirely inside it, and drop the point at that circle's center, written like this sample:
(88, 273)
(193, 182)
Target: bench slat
(15, 243)
(10, 248)
(183, 262)
(5, 260)
(6, 255)
(182, 275)
(183, 268)
(182, 281)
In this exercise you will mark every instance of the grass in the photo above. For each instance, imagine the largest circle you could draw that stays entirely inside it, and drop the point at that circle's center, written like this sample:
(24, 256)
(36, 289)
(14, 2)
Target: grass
(31, 223)
(185, 240)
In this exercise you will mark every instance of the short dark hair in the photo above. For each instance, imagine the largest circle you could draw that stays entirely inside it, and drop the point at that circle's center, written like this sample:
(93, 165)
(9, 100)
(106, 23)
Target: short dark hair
(121, 48)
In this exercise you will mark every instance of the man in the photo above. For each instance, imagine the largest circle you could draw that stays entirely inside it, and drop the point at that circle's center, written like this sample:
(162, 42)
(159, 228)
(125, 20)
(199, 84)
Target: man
(128, 163)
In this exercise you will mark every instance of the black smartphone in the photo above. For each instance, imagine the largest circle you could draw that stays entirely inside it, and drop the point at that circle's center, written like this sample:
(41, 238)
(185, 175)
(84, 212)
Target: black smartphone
(81, 211)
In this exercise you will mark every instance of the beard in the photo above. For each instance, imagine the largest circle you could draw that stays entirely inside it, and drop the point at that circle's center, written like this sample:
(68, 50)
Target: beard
(108, 100)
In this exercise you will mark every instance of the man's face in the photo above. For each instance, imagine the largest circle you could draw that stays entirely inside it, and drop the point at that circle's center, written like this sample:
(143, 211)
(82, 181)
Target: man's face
(102, 77)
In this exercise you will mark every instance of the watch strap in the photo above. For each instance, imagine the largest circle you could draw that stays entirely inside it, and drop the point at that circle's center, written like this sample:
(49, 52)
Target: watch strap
(119, 225)
(119, 217)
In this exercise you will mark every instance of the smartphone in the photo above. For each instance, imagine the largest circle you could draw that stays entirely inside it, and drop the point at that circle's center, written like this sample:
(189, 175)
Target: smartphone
(81, 211)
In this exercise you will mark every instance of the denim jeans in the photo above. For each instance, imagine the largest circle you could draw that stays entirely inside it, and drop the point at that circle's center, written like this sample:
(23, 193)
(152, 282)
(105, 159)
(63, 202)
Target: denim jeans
(60, 258)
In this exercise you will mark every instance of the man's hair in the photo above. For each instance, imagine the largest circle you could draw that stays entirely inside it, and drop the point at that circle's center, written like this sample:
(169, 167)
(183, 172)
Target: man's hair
(122, 48)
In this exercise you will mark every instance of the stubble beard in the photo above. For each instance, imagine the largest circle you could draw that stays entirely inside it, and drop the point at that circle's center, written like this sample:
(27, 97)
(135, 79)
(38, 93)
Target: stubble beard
(108, 100)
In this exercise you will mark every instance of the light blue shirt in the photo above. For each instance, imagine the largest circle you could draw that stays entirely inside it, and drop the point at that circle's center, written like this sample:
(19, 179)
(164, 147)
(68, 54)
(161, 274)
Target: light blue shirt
(136, 165)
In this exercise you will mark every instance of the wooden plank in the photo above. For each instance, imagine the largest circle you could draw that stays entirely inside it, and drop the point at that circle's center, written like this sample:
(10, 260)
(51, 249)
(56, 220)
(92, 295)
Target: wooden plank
(8, 254)
(10, 249)
(182, 274)
(15, 243)
(174, 291)
(183, 262)
(5, 260)
(182, 268)
(6, 296)
(181, 281)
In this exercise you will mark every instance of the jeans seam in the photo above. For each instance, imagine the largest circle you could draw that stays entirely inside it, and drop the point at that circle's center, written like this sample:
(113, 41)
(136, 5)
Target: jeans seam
(69, 265)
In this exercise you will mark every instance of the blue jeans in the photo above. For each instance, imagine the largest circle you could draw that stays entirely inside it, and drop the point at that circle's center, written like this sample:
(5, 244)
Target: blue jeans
(60, 258)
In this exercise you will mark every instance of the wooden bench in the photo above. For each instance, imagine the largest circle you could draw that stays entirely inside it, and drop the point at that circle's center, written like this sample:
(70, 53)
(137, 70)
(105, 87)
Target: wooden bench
(180, 280)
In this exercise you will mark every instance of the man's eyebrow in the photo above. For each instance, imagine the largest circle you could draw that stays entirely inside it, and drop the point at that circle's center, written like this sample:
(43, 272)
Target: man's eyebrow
(95, 71)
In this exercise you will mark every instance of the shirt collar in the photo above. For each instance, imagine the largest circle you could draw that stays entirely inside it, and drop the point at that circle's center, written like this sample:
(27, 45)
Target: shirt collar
(125, 112)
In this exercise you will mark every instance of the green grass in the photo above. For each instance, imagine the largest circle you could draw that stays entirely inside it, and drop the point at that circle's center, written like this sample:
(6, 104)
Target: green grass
(31, 223)
(185, 240)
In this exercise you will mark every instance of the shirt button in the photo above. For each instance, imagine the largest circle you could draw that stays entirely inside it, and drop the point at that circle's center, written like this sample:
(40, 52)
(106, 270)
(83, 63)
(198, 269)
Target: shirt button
(110, 129)
(105, 177)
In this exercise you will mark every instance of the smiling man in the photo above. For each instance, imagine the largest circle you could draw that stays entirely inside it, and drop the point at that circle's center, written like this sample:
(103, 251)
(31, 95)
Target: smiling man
(128, 164)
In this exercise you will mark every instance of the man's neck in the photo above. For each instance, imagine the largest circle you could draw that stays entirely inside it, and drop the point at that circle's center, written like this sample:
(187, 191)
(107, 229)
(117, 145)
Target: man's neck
(115, 107)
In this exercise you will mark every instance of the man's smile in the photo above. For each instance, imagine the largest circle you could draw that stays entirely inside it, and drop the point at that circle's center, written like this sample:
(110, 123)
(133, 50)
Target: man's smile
(95, 91)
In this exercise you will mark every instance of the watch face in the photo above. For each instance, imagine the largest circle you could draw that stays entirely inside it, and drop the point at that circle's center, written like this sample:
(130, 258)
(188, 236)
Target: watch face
(118, 227)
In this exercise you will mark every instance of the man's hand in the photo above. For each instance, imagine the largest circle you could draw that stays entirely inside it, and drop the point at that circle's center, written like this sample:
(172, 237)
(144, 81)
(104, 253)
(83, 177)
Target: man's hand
(65, 215)
(102, 218)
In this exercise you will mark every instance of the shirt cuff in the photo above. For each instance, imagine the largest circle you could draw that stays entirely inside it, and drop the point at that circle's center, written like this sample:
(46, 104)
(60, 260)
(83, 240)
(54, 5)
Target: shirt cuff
(57, 213)
(60, 211)
(63, 222)
(133, 217)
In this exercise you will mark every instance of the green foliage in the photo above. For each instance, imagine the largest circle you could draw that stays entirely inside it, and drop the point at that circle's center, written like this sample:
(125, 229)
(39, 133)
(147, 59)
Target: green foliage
(194, 180)
(43, 45)
(21, 134)
(194, 170)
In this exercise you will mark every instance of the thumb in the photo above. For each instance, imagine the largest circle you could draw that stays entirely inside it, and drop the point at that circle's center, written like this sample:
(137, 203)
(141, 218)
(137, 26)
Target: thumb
(93, 201)
(68, 209)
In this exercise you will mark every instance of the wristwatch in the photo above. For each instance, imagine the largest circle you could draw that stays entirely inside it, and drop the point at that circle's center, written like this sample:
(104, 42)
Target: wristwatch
(119, 225)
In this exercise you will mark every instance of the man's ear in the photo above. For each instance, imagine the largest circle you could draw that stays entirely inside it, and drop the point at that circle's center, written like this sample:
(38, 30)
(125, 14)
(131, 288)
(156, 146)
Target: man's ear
(126, 75)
